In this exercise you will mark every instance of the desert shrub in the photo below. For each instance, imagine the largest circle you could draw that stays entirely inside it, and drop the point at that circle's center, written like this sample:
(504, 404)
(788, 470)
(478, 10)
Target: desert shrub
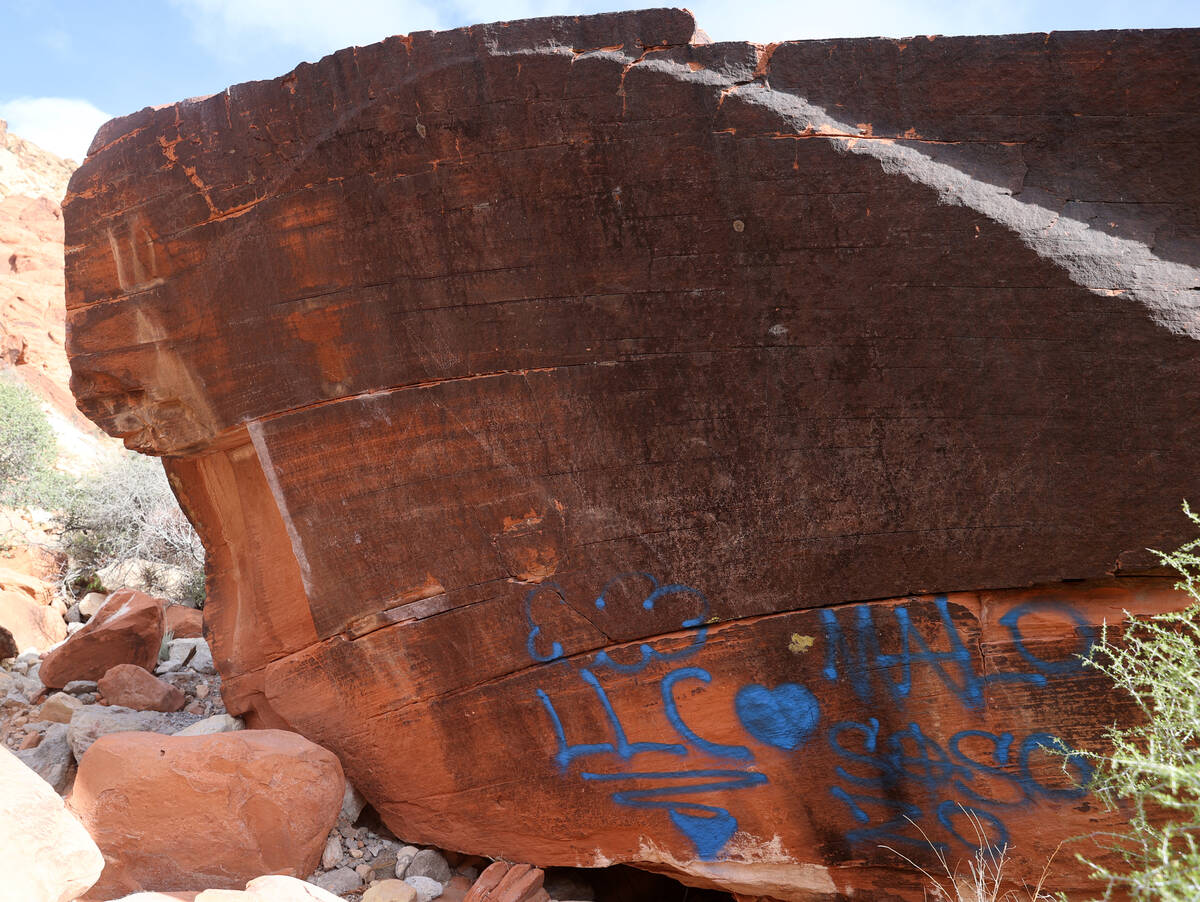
(27, 448)
(1153, 769)
(126, 515)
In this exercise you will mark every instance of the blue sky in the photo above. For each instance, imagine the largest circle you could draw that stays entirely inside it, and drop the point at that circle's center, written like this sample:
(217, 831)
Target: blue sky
(67, 66)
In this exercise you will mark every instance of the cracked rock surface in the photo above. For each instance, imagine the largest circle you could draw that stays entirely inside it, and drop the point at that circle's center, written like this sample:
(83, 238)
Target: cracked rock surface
(619, 447)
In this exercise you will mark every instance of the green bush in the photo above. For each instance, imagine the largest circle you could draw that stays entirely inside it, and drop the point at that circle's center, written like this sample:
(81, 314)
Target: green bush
(27, 448)
(1153, 769)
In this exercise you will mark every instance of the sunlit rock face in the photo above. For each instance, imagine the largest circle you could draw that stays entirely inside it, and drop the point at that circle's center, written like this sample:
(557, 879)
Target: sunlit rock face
(621, 447)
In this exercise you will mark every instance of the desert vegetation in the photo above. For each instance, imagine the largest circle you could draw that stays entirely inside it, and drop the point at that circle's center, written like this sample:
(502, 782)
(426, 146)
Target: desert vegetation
(118, 523)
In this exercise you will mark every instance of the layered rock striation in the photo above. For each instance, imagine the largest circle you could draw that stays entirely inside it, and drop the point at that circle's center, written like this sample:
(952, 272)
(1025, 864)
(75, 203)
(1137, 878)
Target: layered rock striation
(617, 446)
(32, 185)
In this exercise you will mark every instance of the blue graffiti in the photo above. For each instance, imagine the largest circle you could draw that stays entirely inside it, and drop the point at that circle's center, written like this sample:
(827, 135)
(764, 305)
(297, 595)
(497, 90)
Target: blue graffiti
(708, 827)
(877, 772)
(784, 717)
(716, 749)
(955, 666)
(909, 757)
(620, 746)
(710, 830)
(647, 654)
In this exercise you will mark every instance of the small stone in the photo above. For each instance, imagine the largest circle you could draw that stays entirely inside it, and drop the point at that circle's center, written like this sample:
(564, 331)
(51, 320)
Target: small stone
(429, 863)
(202, 690)
(91, 603)
(356, 853)
(332, 853)
(364, 872)
(79, 687)
(60, 708)
(93, 721)
(339, 881)
(135, 687)
(278, 888)
(196, 708)
(390, 891)
(404, 858)
(73, 628)
(456, 890)
(73, 615)
(218, 723)
(352, 805)
(29, 741)
(426, 888)
(51, 759)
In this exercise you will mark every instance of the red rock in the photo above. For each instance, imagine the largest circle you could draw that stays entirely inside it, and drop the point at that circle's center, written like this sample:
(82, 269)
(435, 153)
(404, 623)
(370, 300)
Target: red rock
(645, 409)
(502, 882)
(128, 629)
(135, 687)
(18, 580)
(184, 622)
(215, 811)
(31, 623)
(32, 184)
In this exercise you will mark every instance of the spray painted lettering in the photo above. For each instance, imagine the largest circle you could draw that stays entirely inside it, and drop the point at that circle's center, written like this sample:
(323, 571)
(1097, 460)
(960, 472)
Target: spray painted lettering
(975, 775)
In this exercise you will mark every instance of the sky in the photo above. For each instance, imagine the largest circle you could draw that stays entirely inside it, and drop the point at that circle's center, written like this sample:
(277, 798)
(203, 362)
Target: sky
(68, 66)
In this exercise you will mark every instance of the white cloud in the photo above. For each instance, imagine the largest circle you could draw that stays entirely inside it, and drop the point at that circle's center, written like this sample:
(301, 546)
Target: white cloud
(315, 27)
(61, 125)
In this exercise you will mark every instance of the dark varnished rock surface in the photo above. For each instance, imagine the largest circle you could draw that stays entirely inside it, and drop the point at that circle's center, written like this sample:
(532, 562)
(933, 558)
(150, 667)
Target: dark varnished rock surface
(446, 339)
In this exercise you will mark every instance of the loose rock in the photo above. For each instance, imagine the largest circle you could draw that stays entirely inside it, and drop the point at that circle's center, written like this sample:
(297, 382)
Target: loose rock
(59, 708)
(51, 759)
(429, 863)
(194, 653)
(390, 891)
(46, 855)
(218, 723)
(91, 603)
(127, 629)
(31, 624)
(426, 888)
(131, 686)
(404, 858)
(332, 853)
(93, 721)
(338, 881)
(184, 622)
(270, 796)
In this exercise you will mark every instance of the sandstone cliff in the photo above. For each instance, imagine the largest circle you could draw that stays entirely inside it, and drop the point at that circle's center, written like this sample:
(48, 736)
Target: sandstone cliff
(32, 185)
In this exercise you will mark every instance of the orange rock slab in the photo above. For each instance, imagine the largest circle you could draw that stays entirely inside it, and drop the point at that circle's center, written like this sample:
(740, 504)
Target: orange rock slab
(619, 447)
(173, 813)
(127, 629)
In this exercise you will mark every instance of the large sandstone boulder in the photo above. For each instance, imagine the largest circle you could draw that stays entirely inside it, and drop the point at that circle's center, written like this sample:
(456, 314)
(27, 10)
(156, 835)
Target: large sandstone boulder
(127, 629)
(32, 624)
(175, 813)
(618, 447)
(45, 853)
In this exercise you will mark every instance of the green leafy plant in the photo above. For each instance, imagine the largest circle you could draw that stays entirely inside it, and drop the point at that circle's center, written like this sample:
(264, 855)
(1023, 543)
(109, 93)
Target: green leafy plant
(27, 447)
(1153, 768)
